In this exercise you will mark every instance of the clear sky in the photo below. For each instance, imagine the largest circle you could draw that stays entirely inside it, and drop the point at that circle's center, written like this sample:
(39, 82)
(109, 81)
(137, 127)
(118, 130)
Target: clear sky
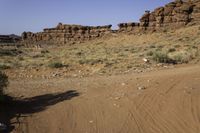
(17, 16)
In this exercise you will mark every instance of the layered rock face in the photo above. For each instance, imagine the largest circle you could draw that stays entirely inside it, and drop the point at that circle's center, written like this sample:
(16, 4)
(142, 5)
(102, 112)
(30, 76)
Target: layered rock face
(9, 38)
(172, 16)
(132, 26)
(63, 34)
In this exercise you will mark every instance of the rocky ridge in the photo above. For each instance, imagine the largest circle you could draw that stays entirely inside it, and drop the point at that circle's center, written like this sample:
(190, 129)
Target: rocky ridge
(173, 15)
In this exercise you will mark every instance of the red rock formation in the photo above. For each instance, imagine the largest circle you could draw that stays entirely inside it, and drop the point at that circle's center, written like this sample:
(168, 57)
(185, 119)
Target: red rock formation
(172, 16)
(130, 27)
(63, 34)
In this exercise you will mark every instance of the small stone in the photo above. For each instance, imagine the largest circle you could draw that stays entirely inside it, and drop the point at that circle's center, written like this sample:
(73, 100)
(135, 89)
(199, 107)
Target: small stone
(116, 105)
(75, 75)
(117, 98)
(55, 74)
(123, 84)
(91, 121)
(145, 60)
(141, 88)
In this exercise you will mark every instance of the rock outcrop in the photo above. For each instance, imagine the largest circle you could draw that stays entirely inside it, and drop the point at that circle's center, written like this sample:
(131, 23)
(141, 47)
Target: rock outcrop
(63, 34)
(9, 38)
(132, 26)
(172, 16)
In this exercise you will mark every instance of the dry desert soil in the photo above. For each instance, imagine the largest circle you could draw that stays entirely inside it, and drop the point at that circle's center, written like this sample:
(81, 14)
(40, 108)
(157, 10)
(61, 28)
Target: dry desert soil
(163, 101)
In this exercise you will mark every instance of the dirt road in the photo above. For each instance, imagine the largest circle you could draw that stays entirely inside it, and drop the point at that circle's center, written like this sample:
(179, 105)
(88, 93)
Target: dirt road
(166, 101)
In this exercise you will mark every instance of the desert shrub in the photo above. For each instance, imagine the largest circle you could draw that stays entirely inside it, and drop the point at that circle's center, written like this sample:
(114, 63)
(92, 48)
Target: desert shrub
(91, 61)
(44, 51)
(150, 53)
(182, 56)
(20, 58)
(177, 46)
(171, 50)
(56, 65)
(38, 56)
(161, 57)
(152, 46)
(10, 52)
(4, 66)
(3, 84)
(79, 53)
(161, 46)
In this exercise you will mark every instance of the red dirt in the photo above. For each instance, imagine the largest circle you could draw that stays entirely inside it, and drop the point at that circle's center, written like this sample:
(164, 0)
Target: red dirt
(170, 103)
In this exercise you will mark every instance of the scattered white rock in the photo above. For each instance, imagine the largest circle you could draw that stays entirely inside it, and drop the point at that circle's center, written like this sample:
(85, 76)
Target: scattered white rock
(116, 105)
(141, 88)
(55, 75)
(91, 121)
(145, 60)
(165, 66)
(123, 84)
(192, 88)
(117, 98)
(75, 75)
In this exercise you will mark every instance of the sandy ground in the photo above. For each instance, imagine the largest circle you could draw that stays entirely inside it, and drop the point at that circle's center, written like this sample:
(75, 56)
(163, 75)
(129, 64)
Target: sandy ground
(165, 101)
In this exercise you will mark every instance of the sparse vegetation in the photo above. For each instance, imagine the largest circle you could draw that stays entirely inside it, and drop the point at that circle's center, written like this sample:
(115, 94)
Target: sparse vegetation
(173, 56)
(161, 57)
(4, 66)
(56, 65)
(115, 55)
(44, 51)
(3, 85)
(10, 52)
(150, 53)
(183, 56)
(171, 50)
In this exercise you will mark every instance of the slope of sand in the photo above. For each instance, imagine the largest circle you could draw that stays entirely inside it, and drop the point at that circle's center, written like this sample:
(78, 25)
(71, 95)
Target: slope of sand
(169, 102)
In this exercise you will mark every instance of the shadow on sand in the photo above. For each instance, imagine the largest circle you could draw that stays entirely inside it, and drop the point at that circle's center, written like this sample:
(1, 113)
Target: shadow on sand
(17, 108)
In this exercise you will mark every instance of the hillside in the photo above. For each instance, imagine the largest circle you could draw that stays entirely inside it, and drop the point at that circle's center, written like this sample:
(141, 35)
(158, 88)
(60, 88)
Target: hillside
(121, 53)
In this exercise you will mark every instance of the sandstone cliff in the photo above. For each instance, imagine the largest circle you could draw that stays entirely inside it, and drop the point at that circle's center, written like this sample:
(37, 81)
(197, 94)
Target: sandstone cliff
(172, 16)
(67, 34)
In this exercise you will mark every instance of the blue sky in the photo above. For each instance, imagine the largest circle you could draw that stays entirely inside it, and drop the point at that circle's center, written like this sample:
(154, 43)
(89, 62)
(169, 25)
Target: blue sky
(17, 16)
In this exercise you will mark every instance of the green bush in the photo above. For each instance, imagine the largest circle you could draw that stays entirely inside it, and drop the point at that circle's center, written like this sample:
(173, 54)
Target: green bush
(150, 53)
(4, 66)
(56, 65)
(44, 51)
(171, 50)
(182, 56)
(161, 57)
(3, 84)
